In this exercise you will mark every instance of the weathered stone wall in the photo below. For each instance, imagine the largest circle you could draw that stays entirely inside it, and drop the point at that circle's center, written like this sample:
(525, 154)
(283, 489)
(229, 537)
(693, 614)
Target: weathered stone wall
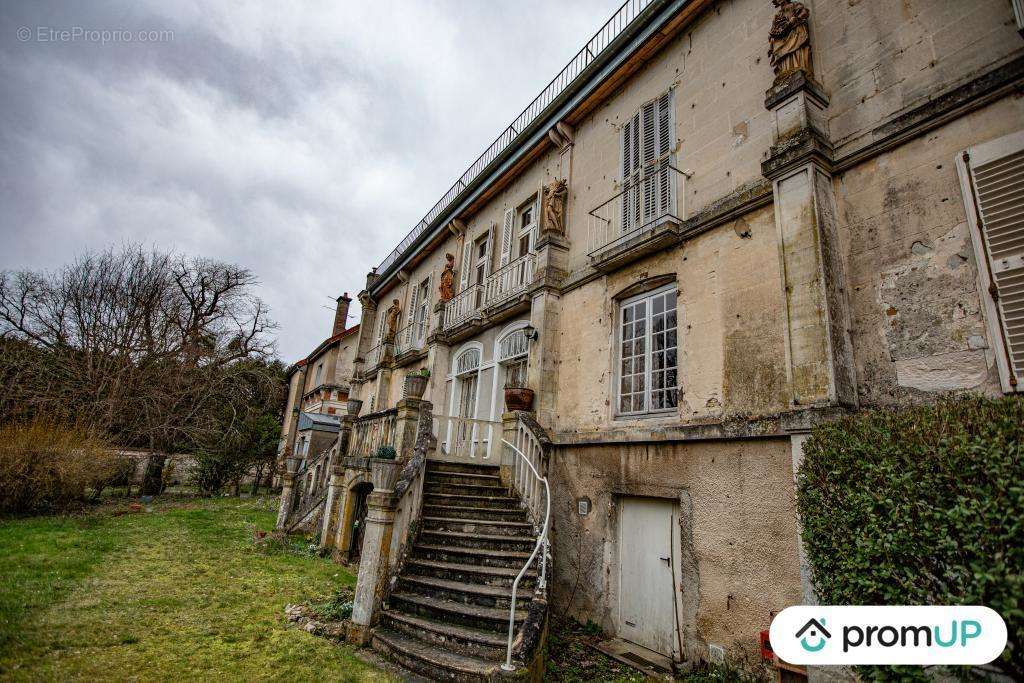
(737, 530)
(730, 319)
(917, 320)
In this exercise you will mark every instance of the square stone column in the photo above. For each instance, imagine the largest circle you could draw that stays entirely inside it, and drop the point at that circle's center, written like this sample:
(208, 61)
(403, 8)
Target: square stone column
(334, 493)
(287, 497)
(545, 310)
(819, 355)
(371, 583)
(405, 426)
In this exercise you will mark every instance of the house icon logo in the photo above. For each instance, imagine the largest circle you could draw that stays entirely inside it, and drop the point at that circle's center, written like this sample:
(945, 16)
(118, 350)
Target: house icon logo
(815, 632)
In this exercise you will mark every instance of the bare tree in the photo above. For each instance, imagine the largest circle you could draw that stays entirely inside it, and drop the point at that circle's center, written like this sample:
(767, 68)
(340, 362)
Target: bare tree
(142, 344)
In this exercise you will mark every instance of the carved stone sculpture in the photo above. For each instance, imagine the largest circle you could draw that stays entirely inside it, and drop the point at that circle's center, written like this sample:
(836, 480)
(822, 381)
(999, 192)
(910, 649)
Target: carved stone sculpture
(554, 206)
(789, 40)
(447, 284)
(393, 313)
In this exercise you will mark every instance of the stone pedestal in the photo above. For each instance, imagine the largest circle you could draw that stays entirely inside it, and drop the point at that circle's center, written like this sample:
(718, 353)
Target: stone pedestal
(334, 492)
(371, 583)
(818, 349)
(405, 426)
(287, 495)
(542, 373)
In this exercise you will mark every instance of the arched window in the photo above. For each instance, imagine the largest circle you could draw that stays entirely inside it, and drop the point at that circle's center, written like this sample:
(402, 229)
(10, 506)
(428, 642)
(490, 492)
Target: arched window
(513, 349)
(467, 383)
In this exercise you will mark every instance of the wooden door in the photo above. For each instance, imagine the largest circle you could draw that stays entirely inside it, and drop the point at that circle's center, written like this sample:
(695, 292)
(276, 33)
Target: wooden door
(646, 583)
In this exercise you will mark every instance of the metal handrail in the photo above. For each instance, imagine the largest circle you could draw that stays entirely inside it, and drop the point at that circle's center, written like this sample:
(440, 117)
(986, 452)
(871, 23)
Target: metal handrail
(624, 17)
(542, 541)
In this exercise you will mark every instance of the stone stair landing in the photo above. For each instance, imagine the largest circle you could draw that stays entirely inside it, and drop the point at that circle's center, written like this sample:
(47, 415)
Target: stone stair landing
(447, 617)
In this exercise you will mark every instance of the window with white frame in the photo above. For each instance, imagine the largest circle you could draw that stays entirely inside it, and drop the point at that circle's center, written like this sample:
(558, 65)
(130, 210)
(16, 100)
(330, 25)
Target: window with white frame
(467, 379)
(319, 372)
(992, 178)
(648, 372)
(513, 350)
(527, 222)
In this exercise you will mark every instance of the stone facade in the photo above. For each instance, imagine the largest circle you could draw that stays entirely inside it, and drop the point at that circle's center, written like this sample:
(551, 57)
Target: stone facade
(818, 241)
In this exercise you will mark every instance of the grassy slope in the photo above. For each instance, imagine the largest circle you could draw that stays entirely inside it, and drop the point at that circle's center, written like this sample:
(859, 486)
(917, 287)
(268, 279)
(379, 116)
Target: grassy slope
(177, 593)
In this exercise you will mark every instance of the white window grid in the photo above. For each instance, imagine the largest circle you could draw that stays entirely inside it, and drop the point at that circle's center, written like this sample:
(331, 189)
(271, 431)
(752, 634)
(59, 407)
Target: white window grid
(648, 359)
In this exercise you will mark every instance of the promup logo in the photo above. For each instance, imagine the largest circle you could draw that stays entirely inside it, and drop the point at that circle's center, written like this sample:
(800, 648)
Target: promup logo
(816, 630)
(888, 635)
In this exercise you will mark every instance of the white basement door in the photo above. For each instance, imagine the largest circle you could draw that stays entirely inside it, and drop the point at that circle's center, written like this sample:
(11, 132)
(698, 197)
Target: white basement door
(646, 582)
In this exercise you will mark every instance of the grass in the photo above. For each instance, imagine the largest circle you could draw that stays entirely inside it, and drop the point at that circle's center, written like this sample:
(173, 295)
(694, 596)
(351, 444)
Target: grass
(178, 592)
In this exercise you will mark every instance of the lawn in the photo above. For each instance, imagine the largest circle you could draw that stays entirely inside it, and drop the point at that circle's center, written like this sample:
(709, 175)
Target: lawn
(179, 592)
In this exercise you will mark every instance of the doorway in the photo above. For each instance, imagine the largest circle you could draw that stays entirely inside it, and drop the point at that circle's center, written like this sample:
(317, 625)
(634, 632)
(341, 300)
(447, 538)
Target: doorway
(648, 556)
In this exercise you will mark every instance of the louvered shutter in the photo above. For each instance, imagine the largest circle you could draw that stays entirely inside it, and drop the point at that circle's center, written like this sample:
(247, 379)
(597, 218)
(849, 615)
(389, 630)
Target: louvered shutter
(648, 157)
(467, 253)
(630, 172)
(507, 228)
(413, 310)
(997, 175)
(664, 150)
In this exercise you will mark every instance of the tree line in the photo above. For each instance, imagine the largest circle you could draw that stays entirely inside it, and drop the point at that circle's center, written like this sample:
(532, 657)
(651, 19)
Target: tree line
(151, 350)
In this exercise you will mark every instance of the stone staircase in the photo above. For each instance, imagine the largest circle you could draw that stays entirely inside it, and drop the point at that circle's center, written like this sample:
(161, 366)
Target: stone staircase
(447, 615)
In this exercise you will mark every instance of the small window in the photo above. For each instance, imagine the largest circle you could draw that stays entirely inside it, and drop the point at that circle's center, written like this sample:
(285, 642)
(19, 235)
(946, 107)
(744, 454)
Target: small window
(319, 372)
(648, 365)
(527, 227)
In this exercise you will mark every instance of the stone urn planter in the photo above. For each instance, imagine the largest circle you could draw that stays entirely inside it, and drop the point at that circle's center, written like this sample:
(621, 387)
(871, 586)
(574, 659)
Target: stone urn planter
(415, 385)
(518, 398)
(354, 405)
(384, 473)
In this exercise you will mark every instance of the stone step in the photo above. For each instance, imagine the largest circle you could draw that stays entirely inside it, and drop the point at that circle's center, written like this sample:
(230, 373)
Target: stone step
(462, 640)
(496, 527)
(462, 591)
(465, 539)
(502, 502)
(433, 662)
(463, 478)
(465, 489)
(458, 613)
(475, 573)
(486, 557)
(472, 468)
(516, 514)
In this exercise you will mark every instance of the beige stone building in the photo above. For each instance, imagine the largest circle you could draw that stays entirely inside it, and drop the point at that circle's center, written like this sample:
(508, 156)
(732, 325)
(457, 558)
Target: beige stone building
(722, 223)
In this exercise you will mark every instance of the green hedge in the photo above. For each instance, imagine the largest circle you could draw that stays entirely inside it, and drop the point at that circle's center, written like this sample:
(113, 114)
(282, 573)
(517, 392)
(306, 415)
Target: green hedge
(920, 506)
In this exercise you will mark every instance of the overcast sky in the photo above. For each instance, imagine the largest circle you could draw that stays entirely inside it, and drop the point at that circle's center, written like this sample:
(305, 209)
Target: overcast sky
(299, 140)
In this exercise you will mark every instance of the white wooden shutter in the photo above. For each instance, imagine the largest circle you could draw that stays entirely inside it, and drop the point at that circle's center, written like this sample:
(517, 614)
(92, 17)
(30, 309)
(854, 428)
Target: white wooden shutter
(996, 173)
(488, 249)
(413, 303)
(630, 171)
(665, 203)
(465, 266)
(507, 229)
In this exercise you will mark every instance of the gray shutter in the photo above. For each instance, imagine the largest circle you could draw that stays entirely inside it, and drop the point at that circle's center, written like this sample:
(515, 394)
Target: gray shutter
(665, 204)
(998, 179)
(630, 169)
(467, 253)
(412, 308)
(507, 228)
(489, 250)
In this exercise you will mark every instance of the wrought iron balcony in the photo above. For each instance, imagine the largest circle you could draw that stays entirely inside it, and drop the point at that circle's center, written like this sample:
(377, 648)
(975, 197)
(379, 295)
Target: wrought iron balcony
(509, 280)
(412, 337)
(640, 219)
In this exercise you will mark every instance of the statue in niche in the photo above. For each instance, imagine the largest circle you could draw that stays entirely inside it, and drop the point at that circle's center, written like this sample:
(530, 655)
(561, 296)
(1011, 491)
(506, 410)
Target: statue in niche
(447, 284)
(392, 315)
(554, 206)
(790, 41)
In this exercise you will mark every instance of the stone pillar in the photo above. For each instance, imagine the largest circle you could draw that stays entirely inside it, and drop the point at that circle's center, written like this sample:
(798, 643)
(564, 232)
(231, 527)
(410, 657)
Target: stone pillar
(509, 422)
(405, 426)
(287, 496)
(373, 564)
(334, 491)
(818, 349)
(542, 373)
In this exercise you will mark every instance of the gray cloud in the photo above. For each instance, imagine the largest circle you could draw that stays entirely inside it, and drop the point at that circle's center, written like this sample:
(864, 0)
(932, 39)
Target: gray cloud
(302, 141)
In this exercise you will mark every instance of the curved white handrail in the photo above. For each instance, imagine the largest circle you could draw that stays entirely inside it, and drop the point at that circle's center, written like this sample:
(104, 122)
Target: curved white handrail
(542, 541)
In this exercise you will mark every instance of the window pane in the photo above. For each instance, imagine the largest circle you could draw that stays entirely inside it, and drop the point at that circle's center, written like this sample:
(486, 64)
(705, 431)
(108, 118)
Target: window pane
(640, 327)
(670, 358)
(671, 398)
(659, 323)
(627, 349)
(625, 404)
(638, 382)
(658, 305)
(658, 380)
(670, 318)
(658, 342)
(627, 384)
(627, 367)
(670, 339)
(670, 379)
(627, 314)
(638, 346)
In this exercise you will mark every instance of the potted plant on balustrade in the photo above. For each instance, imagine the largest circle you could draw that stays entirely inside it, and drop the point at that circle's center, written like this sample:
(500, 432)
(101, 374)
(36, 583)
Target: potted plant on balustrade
(517, 395)
(384, 468)
(416, 383)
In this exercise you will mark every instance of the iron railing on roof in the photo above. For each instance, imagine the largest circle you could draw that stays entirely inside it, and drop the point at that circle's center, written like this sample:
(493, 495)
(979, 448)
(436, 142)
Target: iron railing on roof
(623, 17)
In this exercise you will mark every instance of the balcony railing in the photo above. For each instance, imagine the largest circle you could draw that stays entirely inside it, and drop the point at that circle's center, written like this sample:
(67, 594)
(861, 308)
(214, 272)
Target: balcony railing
(605, 36)
(509, 280)
(463, 306)
(412, 337)
(641, 206)
(371, 432)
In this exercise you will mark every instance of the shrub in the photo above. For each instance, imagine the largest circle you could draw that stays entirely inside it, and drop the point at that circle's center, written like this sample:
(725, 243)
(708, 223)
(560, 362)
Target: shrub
(922, 506)
(49, 466)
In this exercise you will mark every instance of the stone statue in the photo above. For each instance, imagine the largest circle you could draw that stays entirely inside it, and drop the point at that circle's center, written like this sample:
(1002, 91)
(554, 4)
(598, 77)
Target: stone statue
(554, 206)
(393, 313)
(789, 40)
(447, 285)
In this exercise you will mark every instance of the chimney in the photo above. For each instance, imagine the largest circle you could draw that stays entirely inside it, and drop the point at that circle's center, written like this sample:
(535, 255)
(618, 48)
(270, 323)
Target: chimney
(341, 314)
